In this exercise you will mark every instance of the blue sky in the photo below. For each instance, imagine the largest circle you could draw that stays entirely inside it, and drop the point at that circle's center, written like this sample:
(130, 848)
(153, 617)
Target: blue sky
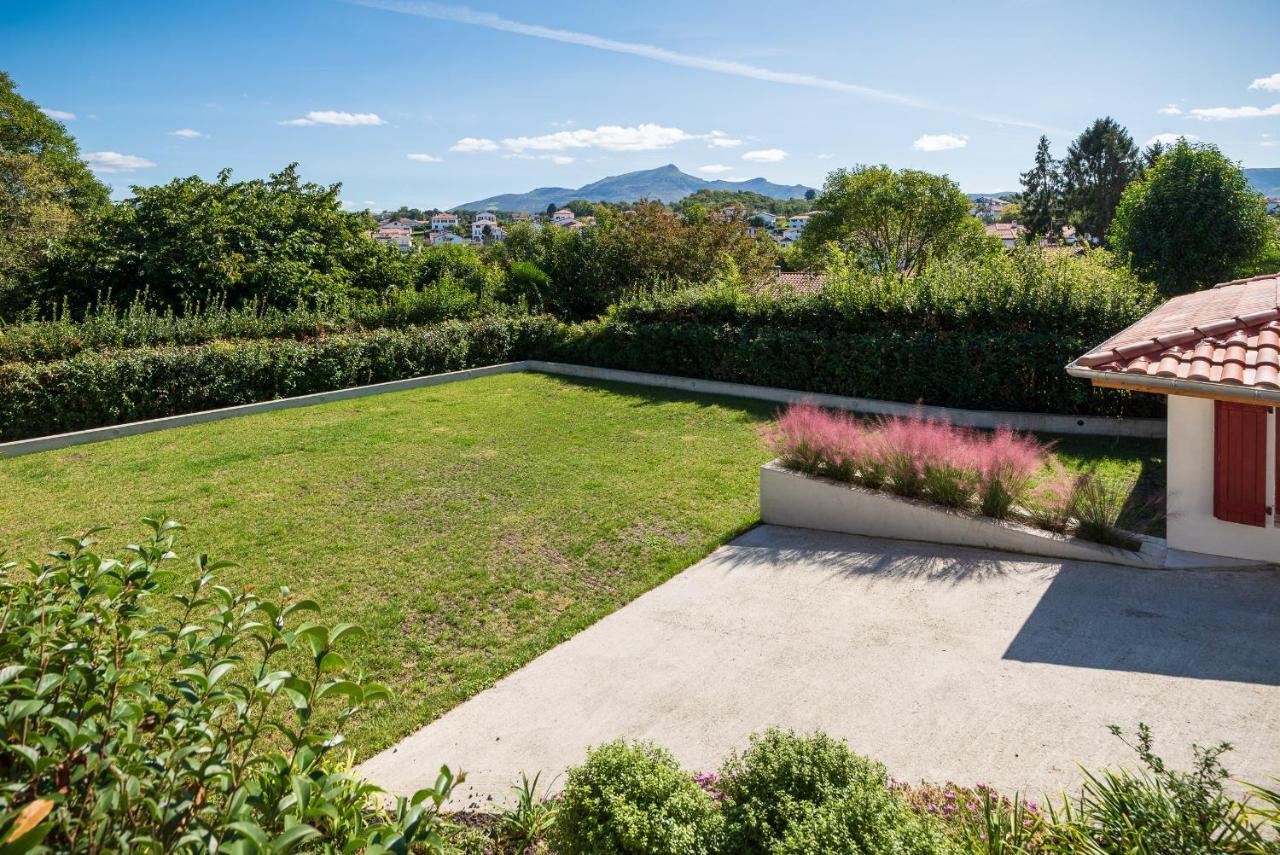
(506, 96)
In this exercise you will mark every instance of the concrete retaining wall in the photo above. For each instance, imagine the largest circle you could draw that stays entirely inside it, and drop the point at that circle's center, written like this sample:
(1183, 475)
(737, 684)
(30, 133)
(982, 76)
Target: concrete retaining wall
(1037, 422)
(792, 499)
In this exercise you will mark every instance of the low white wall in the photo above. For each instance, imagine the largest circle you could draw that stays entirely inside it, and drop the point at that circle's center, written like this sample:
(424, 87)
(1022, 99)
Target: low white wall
(1191, 523)
(1037, 422)
(792, 499)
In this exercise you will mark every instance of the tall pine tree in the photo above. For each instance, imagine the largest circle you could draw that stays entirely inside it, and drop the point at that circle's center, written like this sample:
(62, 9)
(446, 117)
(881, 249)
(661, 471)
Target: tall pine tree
(1042, 196)
(1099, 165)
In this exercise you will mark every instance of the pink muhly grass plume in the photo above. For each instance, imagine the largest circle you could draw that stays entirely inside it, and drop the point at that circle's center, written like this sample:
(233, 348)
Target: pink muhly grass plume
(817, 441)
(1007, 463)
(908, 446)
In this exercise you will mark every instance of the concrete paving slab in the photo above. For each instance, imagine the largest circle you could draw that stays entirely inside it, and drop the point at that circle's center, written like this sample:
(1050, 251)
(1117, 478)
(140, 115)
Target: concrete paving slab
(945, 663)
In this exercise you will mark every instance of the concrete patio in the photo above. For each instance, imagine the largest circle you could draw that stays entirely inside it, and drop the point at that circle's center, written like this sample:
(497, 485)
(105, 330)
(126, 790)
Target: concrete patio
(945, 663)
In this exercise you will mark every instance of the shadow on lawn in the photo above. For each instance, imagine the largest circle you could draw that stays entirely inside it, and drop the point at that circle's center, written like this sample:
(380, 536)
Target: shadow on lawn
(1207, 625)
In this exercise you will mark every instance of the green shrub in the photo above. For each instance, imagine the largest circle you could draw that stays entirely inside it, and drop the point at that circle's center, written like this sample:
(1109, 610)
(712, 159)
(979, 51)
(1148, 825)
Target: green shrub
(216, 732)
(102, 388)
(782, 776)
(634, 800)
(868, 821)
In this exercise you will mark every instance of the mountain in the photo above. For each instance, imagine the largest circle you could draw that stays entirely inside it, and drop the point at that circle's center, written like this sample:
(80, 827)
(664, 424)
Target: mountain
(1266, 180)
(666, 183)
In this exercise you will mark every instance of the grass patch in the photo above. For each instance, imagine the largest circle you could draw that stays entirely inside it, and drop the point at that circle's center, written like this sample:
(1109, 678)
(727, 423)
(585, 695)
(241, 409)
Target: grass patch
(467, 527)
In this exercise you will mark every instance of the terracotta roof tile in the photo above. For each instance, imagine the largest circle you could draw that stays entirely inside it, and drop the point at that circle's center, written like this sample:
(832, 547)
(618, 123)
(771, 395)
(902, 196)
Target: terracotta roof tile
(1229, 334)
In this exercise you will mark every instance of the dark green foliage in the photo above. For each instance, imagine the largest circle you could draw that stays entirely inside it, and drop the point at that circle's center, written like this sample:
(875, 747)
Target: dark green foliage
(103, 387)
(715, 200)
(634, 800)
(1041, 208)
(1099, 165)
(216, 732)
(989, 334)
(1191, 221)
(137, 325)
(277, 240)
(798, 793)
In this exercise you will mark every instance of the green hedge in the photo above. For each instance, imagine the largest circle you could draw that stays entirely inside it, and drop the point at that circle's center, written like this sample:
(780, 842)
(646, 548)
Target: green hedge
(97, 388)
(1017, 371)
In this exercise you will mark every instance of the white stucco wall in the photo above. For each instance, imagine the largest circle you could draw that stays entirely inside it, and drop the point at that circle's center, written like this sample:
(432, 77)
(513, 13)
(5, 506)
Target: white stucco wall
(1192, 525)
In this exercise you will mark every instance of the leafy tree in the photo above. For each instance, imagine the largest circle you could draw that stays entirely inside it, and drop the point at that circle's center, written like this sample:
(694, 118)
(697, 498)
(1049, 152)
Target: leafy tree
(551, 208)
(810, 194)
(1152, 153)
(277, 240)
(1042, 195)
(24, 129)
(886, 220)
(1192, 220)
(527, 282)
(46, 193)
(1099, 165)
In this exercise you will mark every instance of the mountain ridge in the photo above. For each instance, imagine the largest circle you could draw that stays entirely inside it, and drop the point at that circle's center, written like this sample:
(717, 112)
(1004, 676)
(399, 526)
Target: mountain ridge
(664, 183)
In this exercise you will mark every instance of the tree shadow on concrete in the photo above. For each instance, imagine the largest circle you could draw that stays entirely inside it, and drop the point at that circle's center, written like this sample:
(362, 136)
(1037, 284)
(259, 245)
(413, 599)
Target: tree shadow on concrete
(1207, 625)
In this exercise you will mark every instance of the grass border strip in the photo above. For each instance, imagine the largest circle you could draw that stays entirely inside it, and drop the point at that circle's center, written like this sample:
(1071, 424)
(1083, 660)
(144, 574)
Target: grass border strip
(64, 440)
(1037, 422)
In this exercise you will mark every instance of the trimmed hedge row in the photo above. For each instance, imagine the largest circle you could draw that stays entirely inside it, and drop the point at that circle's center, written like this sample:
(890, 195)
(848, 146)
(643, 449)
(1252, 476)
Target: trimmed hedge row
(1019, 371)
(97, 388)
(1014, 371)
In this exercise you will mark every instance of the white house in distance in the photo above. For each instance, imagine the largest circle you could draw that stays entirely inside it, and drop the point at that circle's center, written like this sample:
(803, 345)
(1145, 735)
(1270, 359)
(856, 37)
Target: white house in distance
(764, 217)
(485, 224)
(441, 222)
(1216, 355)
(445, 237)
(395, 233)
(562, 216)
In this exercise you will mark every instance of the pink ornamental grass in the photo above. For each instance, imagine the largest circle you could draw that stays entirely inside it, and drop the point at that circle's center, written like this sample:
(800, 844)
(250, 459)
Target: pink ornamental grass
(1007, 464)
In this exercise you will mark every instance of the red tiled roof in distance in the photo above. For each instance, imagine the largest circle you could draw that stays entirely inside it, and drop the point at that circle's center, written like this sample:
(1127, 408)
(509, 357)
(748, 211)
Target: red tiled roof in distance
(1229, 334)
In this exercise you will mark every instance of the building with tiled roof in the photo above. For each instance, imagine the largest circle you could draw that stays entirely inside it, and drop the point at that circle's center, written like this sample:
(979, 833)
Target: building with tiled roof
(1216, 355)
(444, 220)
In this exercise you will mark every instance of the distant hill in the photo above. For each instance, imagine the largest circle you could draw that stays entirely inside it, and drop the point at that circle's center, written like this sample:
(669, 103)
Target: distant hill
(1266, 180)
(666, 184)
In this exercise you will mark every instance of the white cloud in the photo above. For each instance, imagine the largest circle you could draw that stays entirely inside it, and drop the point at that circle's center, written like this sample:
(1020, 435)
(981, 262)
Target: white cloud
(60, 115)
(1271, 84)
(336, 117)
(186, 133)
(1219, 113)
(646, 137)
(557, 159)
(470, 144)
(939, 142)
(765, 155)
(1170, 139)
(114, 161)
(424, 158)
(1170, 110)
(567, 123)
(463, 15)
(719, 139)
(825, 156)
(715, 168)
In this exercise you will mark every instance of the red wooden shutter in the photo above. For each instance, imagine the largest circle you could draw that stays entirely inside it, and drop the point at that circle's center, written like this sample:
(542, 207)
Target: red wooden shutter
(1240, 463)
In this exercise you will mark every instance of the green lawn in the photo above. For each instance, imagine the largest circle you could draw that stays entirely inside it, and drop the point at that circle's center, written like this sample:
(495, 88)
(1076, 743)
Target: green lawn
(467, 527)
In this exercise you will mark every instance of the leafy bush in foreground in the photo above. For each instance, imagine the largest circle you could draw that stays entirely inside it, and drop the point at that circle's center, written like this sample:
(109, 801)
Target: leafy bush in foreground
(632, 799)
(203, 735)
(797, 793)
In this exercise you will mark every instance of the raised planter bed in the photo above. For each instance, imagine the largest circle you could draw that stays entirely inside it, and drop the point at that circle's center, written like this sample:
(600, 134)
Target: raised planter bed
(794, 499)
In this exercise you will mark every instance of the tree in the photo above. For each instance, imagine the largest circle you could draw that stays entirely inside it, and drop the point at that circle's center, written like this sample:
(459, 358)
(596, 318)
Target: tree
(888, 220)
(46, 193)
(1100, 163)
(810, 194)
(1042, 195)
(278, 240)
(24, 129)
(1191, 221)
(1152, 153)
(551, 209)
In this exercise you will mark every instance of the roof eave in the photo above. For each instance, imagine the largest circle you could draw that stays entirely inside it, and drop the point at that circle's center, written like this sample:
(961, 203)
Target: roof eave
(1175, 386)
